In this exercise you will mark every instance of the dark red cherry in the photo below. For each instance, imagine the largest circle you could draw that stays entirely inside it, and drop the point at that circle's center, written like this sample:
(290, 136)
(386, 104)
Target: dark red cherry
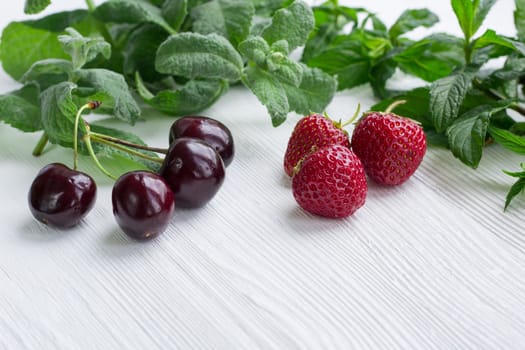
(143, 204)
(61, 197)
(194, 171)
(207, 129)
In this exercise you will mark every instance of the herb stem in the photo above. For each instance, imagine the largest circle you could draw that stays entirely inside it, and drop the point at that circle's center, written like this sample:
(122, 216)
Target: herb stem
(495, 95)
(39, 148)
(90, 5)
(124, 149)
(130, 144)
(75, 133)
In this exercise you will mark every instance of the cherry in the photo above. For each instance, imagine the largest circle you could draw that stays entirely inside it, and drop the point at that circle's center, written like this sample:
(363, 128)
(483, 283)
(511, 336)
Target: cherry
(61, 197)
(194, 171)
(207, 129)
(143, 204)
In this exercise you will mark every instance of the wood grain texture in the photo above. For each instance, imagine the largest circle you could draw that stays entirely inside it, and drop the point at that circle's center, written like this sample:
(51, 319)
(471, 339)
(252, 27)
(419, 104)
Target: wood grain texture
(432, 264)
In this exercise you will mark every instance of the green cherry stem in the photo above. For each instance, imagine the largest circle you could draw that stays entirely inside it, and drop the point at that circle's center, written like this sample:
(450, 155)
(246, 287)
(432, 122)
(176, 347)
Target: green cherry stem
(89, 105)
(87, 140)
(95, 137)
(42, 142)
(129, 144)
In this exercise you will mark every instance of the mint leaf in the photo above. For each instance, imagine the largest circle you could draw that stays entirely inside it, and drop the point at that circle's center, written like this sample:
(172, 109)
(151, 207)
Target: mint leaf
(288, 70)
(58, 22)
(35, 6)
(446, 96)
(410, 20)
(175, 12)
(379, 75)
(519, 19)
(432, 58)
(346, 59)
(313, 94)
(416, 106)
(81, 49)
(491, 38)
(464, 10)
(293, 24)
(21, 109)
(21, 46)
(194, 55)
(515, 190)
(58, 113)
(192, 97)
(270, 93)
(229, 18)
(256, 49)
(508, 140)
(114, 89)
(467, 135)
(482, 9)
(140, 50)
(48, 72)
(131, 11)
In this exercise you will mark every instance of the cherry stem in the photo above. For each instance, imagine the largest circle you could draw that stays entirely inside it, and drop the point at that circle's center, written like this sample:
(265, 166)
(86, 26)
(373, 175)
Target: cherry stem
(39, 148)
(89, 105)
(87, 140)
(130, 144)
(393, 105)
(97, 138)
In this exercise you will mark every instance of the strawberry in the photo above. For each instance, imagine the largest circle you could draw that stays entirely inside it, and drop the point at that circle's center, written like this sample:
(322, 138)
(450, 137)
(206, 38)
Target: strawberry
(390, 147)
(330, 182)
(310, 133)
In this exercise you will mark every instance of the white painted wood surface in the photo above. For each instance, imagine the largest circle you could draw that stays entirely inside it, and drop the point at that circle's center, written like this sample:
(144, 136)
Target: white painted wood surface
(433, 264)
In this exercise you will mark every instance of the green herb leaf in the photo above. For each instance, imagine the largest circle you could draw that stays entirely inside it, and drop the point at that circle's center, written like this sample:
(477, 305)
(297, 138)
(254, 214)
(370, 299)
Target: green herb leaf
(416, 106)
(379, 75)
(192, 97)
(112, 88)
(229, 18)
(347, 59)
(21, 109)
(482, 9)
(491, 38)
(58, 22)
(194, 55)
(269, 91)
(140, 51)
(131, 11)
(519, 19)
(293, 24)
(508, 140)
(467, 134)
(515, 190)
(313, 94)
(58, 113)
(464, 10)
(410, 20)
(21, 46)
(35, 6)
(432, 58)
(256, 49)
(81, 49)
(446, 96)
(48, 72)
(175, 12)
(288, 70)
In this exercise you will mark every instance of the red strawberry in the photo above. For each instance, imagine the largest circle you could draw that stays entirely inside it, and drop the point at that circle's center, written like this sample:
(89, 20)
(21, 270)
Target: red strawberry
(331, 182)
(389, 146)
(310, 133)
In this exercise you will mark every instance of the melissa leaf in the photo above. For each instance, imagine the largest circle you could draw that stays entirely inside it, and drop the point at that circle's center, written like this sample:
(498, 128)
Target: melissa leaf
(113, 87)
(519, 19)
(131, 11)
(175, 12)
(21, 109)
(293, 24)
(229, 18)
(83, 49)
(192, 97)
(58, 113)
(48, 72)
(194, 55)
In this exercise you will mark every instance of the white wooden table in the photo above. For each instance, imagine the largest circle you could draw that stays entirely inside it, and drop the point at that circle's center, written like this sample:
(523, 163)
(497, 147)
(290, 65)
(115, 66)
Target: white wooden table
(433, 264)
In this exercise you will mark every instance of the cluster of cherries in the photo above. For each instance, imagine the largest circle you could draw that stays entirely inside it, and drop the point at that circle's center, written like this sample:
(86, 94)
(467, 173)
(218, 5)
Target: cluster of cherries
(143, 202)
